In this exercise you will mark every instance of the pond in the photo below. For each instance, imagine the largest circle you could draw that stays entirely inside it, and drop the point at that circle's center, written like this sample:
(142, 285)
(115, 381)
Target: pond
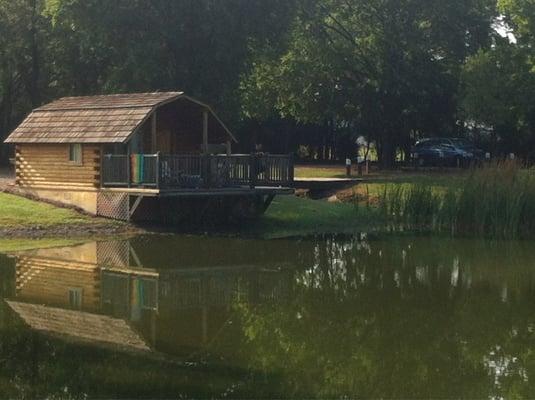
(162, 316)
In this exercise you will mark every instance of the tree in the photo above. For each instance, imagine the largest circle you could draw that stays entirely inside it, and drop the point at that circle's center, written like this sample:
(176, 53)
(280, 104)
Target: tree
(387, 69)
(499, 82)
(23, 45)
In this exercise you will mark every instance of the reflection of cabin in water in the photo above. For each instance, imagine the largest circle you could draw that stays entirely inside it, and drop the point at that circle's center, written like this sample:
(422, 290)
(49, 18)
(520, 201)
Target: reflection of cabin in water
(117, 154)
(171, 307)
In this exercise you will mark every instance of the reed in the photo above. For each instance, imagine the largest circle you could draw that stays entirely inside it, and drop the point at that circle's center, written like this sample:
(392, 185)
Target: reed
(495, 201)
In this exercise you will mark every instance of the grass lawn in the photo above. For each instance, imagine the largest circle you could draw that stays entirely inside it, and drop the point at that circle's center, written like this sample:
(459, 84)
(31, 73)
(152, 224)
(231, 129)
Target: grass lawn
(19, 213)
(294, 216)
(16, 211)
(329, 171)
(375, 183)
(287, 216)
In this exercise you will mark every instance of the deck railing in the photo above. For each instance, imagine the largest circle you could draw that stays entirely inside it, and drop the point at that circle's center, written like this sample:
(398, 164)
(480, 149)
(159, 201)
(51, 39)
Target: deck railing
(193, 171)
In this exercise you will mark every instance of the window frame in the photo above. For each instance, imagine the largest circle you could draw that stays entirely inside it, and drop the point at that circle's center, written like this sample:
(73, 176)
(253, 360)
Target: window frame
(73, 146)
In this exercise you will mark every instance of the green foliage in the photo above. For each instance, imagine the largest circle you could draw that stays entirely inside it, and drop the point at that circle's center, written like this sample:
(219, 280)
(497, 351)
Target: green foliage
(495, 201)
(52, 48)
(499, 82)
(384, 69)
(290, 216)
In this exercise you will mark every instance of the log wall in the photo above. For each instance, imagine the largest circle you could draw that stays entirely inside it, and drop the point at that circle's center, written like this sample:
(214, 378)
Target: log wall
(42, 280)
(48, 166)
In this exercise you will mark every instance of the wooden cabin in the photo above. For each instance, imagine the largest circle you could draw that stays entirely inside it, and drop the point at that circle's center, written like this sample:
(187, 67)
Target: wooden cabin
(81, 291)
(114, 154)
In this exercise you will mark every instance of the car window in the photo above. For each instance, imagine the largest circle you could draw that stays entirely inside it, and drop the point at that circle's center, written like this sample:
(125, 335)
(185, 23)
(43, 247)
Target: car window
(463, 143)
(431, 142)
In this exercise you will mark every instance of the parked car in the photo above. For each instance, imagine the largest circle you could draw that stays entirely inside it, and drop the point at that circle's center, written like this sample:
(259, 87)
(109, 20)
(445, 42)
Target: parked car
(446, 151)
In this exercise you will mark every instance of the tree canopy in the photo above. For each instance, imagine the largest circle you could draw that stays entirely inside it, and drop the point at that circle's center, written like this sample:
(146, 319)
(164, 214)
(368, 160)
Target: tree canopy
(315, 73)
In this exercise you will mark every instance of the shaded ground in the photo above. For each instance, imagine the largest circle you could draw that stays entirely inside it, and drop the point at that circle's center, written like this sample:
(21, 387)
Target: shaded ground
(294, 216)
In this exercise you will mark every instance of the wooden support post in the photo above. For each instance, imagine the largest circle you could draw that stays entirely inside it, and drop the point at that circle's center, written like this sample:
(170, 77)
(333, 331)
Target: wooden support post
(101, 166)
(229, 148)
(206, 170)
(158, 169)
(205, 131)
(154, 137)
(267, 201)
(128, 167)
(135, 205)
(134, 256)
(253, 171)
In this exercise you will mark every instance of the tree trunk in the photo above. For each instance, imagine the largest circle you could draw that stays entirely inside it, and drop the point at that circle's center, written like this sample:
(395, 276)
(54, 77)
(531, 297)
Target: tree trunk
(387, 153)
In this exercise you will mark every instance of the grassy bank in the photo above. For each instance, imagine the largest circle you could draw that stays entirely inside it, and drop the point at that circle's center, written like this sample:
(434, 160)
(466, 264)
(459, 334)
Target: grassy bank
(16, 211)
(294, 216)
(22, 220)
(496, 201)
(439, 202)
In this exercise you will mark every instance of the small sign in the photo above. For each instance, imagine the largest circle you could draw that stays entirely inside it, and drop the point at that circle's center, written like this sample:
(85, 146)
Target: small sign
(348, 161)
(512, 156)
(487, 156)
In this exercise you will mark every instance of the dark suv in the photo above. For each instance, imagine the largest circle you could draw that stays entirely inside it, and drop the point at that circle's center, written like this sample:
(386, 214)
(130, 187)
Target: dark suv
(446, 151)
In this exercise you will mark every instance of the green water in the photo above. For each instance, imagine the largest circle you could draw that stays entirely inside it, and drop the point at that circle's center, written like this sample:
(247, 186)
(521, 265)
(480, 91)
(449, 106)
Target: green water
(174, 316)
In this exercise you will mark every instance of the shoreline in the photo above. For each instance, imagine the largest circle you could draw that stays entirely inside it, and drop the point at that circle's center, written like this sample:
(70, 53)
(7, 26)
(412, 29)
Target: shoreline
(70, 231)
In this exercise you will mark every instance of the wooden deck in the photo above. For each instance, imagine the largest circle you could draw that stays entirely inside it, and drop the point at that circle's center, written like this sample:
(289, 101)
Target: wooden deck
(196, 172)
(229, 191)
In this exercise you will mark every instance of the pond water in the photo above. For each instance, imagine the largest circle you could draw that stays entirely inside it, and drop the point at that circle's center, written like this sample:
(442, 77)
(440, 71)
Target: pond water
(177, 316)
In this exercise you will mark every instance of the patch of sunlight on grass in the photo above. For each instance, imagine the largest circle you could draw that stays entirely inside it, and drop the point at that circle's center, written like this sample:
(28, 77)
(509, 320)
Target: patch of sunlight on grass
(16, 211)
(319, 172)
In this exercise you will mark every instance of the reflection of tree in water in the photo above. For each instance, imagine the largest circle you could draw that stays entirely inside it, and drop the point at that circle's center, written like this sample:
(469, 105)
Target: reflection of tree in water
(412, 318)
(407, 317)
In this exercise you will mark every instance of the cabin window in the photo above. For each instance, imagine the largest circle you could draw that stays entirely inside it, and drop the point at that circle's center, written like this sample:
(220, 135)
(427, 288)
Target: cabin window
(75, 298)
(75, 153)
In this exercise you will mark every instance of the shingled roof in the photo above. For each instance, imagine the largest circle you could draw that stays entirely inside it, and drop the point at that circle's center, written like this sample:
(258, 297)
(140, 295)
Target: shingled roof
(80, 326)
(93, 119)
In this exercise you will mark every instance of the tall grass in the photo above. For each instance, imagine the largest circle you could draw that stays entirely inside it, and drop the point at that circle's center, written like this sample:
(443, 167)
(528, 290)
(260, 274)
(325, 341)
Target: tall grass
(495, 201)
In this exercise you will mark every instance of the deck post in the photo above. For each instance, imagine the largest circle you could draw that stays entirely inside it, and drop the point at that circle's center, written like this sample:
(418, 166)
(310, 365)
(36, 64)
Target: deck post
(154, 137)
(205, 131)
(253, 171)
(206, 170)
(158, 170)
(128, 166)
(101, 172)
